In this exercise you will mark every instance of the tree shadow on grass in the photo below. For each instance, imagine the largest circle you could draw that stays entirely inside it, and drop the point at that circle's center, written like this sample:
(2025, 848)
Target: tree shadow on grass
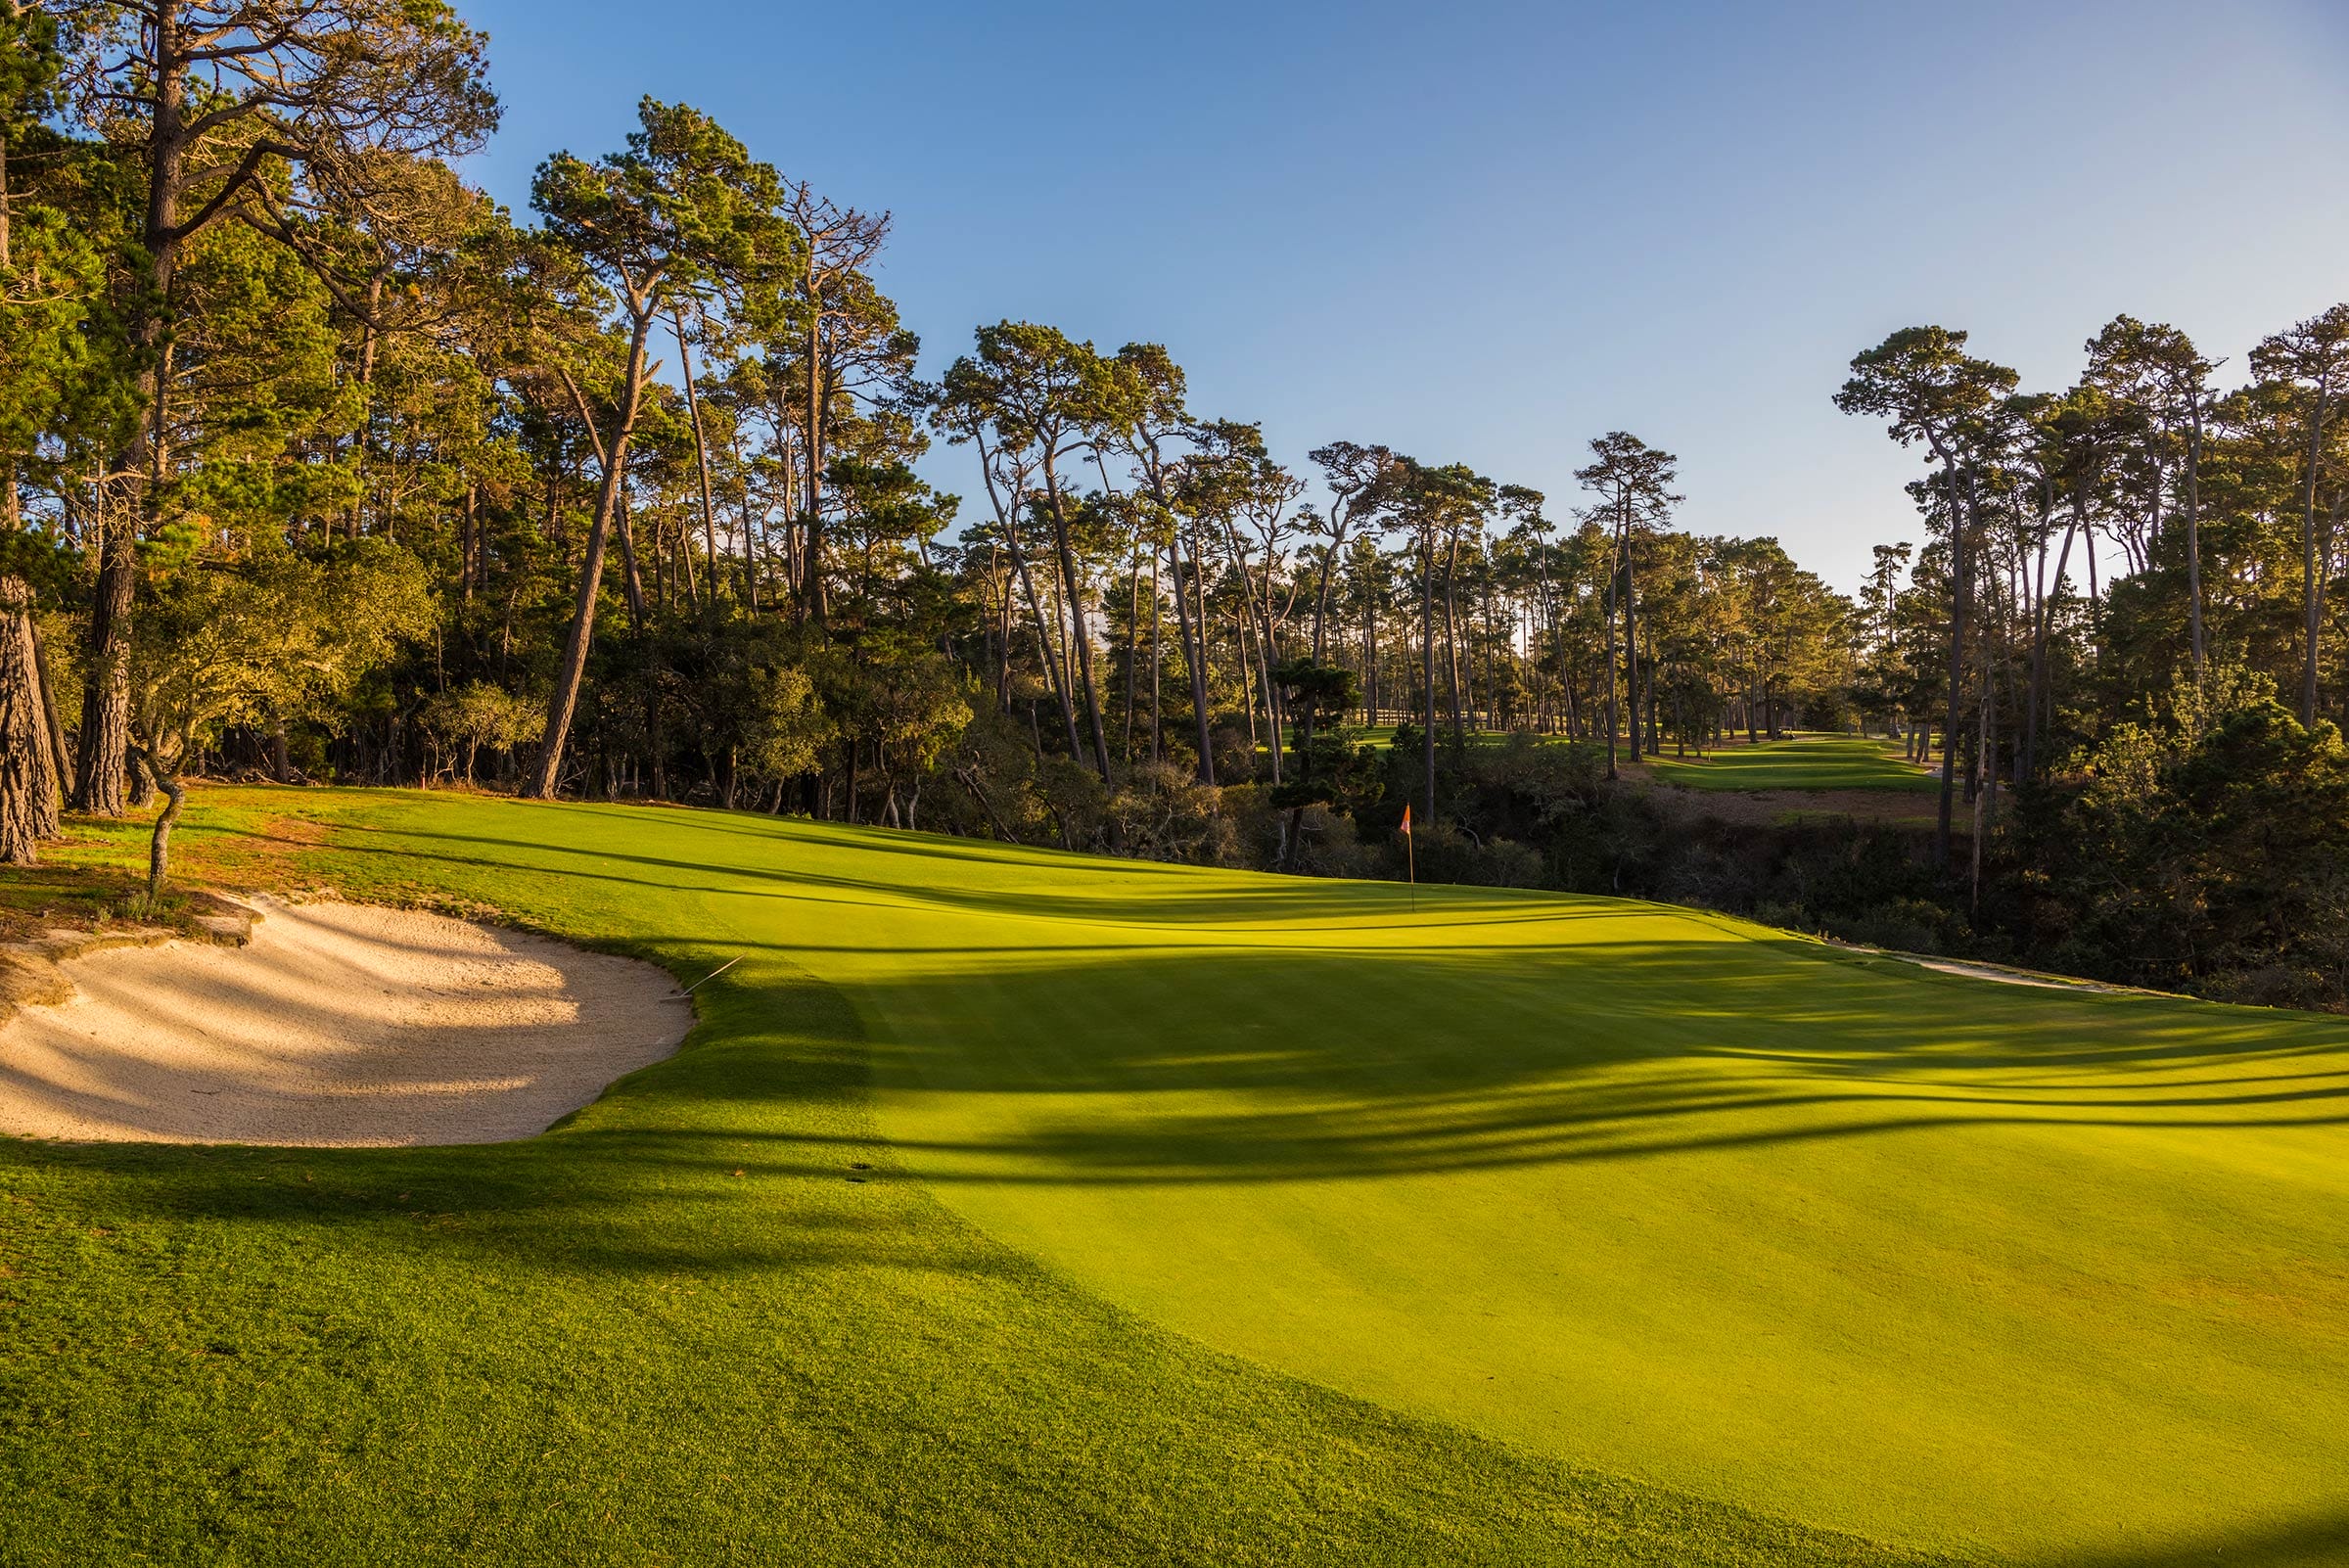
(2317, 1542)
(1230, 1065)
(1237, 1065)
(1362, 1059)
(751, 1150)
(1189, 1045)
(787, 831)
(1522, 1044)
(1285, 902)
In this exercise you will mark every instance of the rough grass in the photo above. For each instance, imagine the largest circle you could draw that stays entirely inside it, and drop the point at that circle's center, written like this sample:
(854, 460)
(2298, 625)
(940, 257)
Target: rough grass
(1020, 1208)
(97, 875)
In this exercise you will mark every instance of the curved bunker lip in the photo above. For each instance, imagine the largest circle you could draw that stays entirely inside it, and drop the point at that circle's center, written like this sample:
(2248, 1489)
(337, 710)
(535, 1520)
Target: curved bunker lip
(339, 1025)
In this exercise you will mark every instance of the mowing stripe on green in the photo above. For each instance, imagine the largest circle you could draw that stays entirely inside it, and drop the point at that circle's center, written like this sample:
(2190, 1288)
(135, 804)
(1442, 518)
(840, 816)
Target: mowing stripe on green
(1547, 1190)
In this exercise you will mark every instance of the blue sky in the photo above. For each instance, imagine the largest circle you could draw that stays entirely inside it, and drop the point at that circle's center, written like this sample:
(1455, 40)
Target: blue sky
(1486, 232)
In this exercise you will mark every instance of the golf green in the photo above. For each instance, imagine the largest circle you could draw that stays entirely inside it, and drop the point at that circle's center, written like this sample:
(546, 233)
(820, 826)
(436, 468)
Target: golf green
(1017, 1207)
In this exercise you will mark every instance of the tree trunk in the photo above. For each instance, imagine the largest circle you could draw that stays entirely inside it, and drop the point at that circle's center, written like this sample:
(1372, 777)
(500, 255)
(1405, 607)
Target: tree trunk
(1133, 632)
(751, 534)
(548, 776)
(1246, 662)
(631, 577)
(701, 448)
(105, 748)
(1961, 595)
(2041, 698)
(1049, 652)
(29, 781)
(1631, 636)
(363, 438)
(811, 558)
(1606, 622)
(1269, 655)
(1986, 794)
(1427, 661)
(685, 572)
(1157, 647)
(12, 502)
(158, 846)
(1193, 631)
(2194, 529)
(2310, 588)
(1452, 642)
(105, 742)
(1076, 627)
(1048, 655)
(1254, 634)
(2332, 521)
(1194, 648)
(61, 756)
(1329, 562)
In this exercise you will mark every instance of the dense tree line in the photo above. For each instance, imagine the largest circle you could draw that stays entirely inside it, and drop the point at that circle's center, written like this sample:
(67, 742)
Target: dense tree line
(315, 463)
(2166, 735)
(324, 466)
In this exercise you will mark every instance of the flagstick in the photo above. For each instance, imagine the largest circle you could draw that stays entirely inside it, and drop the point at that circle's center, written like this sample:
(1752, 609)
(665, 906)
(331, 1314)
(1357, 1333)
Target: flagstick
(1410, 859)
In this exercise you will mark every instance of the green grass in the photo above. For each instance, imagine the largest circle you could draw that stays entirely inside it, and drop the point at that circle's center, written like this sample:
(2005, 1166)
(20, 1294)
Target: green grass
(1800, 763)
(1384, 735)
(1212, 1218)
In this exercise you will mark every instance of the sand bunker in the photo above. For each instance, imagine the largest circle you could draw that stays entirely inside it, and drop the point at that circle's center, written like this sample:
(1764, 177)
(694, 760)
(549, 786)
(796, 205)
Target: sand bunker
(340, 1024)
(2018, 977)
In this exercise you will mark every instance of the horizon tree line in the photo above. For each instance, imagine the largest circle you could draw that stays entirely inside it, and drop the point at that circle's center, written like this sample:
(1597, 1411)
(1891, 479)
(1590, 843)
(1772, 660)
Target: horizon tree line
(319, 464)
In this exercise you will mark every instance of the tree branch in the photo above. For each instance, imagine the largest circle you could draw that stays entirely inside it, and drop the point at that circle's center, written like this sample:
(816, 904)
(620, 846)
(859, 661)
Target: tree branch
(248, 167)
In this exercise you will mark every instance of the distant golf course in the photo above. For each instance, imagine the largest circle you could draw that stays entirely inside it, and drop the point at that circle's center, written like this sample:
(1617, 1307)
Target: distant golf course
(1015, 1206)
(1798, 762)
(1807, 763)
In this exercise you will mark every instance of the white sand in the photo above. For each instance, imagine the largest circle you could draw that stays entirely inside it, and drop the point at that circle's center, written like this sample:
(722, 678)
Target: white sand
(339, 1025)
(2017, 977)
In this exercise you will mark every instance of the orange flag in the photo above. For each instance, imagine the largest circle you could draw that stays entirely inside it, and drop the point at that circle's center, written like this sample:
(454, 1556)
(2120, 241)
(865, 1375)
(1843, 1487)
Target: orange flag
(1411, 857)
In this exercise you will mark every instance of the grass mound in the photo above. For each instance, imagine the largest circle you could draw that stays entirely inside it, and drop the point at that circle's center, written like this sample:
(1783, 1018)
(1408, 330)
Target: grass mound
(1010, 1207)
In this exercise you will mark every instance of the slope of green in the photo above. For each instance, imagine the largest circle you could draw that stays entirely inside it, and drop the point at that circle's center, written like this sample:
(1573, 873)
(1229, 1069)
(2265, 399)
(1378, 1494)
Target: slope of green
(709, 1321)
(1210, 1218)
(1799, 762)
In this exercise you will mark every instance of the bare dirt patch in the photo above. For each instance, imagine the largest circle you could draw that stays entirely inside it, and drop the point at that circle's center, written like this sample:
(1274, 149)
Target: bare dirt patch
(2018, 977)
(339, 1025)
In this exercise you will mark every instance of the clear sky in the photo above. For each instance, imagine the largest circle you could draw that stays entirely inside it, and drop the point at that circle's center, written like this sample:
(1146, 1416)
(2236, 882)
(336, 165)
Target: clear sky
(1486, 232)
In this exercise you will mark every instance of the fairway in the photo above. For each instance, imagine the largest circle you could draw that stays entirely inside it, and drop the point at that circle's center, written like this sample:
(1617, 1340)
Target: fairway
(1017, 1207)
(1384, 735)
(1799, 762)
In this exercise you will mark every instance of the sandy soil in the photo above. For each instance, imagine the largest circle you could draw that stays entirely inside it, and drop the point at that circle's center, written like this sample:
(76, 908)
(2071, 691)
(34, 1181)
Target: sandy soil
(2015, 977)
(340, 1024)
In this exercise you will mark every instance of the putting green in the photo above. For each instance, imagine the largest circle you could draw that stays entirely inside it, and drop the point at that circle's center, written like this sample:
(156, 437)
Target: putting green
(1558, 1196)
(1922, 1258)
(1799, 762)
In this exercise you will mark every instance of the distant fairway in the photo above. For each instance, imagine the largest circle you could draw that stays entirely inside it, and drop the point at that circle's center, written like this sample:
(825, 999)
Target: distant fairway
(1384, 735)
(1012, 1207)
(1809, 763)
(1799, 762)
